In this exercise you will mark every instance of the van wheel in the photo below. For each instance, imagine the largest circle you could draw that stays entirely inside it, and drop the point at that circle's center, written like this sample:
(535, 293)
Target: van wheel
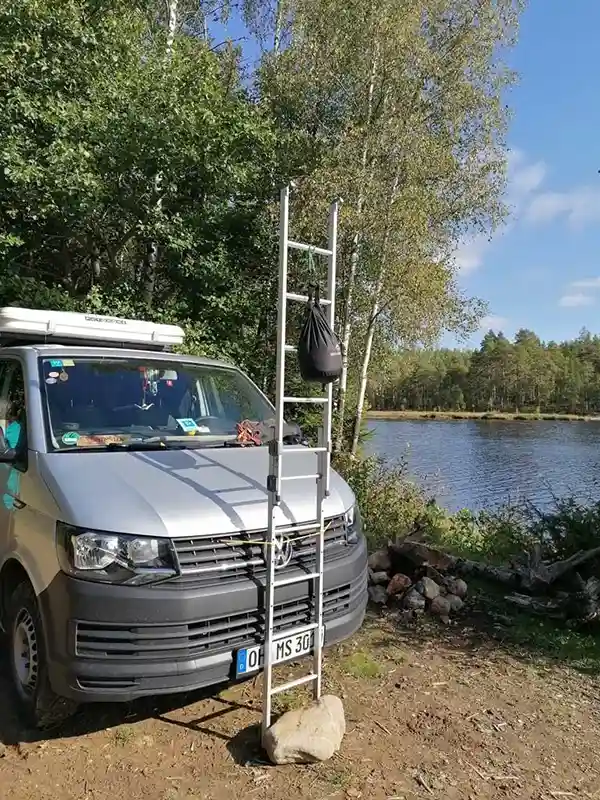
(42, 708)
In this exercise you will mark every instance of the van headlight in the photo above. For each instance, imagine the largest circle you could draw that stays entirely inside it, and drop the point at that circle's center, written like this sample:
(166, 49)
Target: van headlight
(113, 557)
(352, 524)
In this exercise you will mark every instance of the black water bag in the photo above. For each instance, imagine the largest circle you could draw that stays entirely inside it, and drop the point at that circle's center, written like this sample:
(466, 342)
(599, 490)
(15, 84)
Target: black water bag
(319, 348)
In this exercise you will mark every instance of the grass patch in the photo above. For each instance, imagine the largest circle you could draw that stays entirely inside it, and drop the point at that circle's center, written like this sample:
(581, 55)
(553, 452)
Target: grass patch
(362, 665)
(289, 701)
(123, 735)
(531, 637)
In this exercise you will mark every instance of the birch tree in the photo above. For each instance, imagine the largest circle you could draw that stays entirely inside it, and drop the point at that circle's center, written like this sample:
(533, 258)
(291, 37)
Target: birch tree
(407, 89)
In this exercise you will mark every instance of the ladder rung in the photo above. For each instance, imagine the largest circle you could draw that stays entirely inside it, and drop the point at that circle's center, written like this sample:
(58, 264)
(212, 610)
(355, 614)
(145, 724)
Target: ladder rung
(308, 576)
(303, 298)
(290, 348)
(291, 449)
(312, 626)
(307, 526)
(300, 477)
(292, 684)
(311, 400)
(319, 251)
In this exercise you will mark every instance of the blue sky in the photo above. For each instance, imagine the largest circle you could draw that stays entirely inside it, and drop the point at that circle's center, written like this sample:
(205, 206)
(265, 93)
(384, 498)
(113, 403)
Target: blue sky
(543, 270)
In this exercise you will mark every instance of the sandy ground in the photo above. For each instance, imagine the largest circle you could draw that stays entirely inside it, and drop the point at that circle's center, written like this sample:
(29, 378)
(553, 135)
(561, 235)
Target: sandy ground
(432, 712)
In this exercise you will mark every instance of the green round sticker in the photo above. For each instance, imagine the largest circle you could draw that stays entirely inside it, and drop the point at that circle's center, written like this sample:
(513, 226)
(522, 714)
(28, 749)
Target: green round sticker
(70, 438)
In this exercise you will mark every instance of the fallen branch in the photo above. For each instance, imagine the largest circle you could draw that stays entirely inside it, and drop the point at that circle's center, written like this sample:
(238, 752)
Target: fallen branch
(537, 577)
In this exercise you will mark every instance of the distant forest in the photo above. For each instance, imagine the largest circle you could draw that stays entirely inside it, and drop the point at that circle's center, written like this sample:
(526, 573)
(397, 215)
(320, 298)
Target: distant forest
(502, 375)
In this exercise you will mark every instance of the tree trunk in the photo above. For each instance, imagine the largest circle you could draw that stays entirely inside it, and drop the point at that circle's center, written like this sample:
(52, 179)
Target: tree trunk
(364, 369)
(151, 261)
(354, 259)
(278, 32)
(375, 311)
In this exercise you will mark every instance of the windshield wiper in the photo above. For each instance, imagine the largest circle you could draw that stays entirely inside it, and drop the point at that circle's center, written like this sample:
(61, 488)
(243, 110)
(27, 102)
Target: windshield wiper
(141, 445)
(149, 444)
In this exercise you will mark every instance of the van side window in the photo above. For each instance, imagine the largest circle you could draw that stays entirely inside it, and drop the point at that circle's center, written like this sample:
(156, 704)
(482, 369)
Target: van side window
(5, 367)
(12, 407)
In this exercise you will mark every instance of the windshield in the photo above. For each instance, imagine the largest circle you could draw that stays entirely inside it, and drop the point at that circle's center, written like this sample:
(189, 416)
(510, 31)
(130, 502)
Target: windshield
(114, 403)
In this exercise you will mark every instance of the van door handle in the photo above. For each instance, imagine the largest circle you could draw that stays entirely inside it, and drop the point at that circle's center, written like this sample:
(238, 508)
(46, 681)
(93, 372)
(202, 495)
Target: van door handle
(19, 504)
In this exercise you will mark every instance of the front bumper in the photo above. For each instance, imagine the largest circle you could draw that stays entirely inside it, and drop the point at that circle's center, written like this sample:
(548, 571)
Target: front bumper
(109, 643)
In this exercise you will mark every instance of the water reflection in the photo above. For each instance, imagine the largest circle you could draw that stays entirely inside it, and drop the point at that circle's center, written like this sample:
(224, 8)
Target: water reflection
(476, 463)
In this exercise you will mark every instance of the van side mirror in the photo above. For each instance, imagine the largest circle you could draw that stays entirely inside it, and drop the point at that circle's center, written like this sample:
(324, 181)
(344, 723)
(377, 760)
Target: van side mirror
(7, 454)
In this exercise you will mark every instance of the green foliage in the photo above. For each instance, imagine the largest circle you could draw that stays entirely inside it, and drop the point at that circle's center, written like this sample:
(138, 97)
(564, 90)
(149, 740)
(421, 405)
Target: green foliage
(523, 375)
(567, 528)
(138, 175)
(390, 504)
(91, 112)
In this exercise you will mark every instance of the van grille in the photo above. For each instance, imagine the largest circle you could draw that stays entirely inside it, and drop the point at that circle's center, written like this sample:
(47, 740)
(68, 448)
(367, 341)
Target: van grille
(207, 559)
(100, 640)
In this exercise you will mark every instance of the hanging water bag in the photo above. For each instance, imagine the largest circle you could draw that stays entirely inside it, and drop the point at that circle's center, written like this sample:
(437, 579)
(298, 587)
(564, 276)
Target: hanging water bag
(319, 348)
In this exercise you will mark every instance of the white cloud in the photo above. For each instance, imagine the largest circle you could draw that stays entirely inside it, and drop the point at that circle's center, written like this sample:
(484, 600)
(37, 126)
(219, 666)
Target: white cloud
(579, 206)
(587, 283)
(576, 300)
(523, 178)
(469, 255)
(492, 322)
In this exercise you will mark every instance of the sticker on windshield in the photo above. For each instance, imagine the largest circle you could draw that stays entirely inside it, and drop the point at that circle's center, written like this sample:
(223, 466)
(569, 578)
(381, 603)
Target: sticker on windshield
(188, 425)
(68, 362)
(99, 440)
(51, 380)
(56, 362)
(53, 374)
(71, 437)
(63, 376)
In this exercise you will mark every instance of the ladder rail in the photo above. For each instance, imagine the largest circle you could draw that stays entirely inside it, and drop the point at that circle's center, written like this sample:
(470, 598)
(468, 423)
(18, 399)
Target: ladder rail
(324, 459)
(276, 451)
(275, 455)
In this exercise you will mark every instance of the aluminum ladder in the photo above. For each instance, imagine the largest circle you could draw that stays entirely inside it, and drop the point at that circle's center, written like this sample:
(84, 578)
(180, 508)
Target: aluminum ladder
(275, 477)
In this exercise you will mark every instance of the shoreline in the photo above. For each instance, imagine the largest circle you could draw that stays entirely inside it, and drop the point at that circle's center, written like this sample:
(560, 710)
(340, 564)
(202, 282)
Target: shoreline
(494, 416)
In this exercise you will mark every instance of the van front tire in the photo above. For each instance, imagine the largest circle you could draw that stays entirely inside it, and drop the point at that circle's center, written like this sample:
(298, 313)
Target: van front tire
(41, 707)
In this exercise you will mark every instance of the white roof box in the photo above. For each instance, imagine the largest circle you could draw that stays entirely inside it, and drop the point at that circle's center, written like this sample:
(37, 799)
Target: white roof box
(48, 326)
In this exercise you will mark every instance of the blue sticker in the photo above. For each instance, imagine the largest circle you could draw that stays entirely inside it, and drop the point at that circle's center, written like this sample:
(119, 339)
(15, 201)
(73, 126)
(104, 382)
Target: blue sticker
(187, 425)
(56, 362)
(70, 438)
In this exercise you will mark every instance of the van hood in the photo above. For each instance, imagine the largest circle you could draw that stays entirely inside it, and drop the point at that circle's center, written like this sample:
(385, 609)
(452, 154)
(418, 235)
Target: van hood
(183, 493)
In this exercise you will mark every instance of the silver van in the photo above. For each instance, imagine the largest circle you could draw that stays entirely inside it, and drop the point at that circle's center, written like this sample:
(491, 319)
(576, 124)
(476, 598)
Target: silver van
(132, 517)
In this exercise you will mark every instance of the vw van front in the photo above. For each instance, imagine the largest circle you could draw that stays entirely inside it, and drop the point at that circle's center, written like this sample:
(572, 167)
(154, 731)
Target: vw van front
(132, 560)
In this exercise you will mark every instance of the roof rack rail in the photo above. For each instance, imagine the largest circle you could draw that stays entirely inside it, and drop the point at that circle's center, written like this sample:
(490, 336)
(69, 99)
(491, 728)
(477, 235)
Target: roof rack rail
(19, 326)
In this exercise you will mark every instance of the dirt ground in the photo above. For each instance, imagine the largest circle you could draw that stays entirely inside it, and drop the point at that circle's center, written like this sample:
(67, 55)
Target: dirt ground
(432, 712)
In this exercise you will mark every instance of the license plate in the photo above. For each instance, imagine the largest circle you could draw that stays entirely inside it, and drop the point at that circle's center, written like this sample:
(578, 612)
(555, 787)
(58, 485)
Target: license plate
(285, 647)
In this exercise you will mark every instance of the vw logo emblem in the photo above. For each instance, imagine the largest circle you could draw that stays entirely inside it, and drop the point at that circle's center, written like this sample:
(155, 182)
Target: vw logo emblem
(283, 551)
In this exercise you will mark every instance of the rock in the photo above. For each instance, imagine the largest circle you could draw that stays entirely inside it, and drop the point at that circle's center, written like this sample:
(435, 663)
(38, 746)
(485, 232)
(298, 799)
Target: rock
(413, 600)
(399, 583)
(456, 586)
(428, 588)
(455, 602)
(440, 606)
(422, 555)
(377, 578)
(435, 575)
(306, 735)
(378, 595)
(380, 561)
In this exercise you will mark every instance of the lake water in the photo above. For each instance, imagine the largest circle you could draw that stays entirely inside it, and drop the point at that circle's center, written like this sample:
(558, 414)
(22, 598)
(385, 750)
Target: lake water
(479, 464)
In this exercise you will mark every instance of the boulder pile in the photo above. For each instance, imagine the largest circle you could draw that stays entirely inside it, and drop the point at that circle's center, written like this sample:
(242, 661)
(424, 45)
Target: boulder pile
(412, 577)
